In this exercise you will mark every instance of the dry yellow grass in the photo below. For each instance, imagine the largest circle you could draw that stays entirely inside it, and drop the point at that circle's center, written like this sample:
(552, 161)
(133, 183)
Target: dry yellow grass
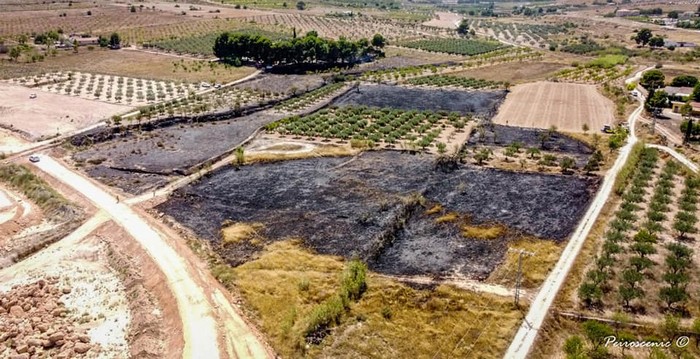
(238, 232)
(320, 151)
(435, 209)
(390, 320)
(535, 267)
(450, 217)
(128, 63)
(483, 232)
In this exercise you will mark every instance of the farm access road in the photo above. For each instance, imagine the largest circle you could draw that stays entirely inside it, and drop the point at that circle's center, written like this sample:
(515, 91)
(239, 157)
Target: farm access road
(198, 309)
(539, 308)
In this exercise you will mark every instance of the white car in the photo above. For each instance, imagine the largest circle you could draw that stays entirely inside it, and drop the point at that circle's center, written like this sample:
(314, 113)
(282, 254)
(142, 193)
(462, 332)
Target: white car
(32, 96)
(34, 158)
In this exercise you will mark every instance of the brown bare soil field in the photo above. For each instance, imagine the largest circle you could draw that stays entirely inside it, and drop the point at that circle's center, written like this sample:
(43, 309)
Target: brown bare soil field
(447, 20)
(546, 104)
(49, 113)
(514, 73)
(126, 63)
(203, 11)
(103, 20)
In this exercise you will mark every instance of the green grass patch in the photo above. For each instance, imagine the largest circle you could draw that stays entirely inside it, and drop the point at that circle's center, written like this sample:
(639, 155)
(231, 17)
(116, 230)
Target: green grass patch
(608, 61)
(455, 46)
(33, 187)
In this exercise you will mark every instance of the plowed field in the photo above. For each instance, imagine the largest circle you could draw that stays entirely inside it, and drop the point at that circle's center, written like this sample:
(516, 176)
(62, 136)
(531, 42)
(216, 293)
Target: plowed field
(567, 106)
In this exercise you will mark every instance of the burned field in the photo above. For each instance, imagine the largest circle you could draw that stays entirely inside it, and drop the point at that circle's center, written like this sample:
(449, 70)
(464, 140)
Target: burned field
(381, 206)
(481, 103)
(283, 84)
(136, 161)
(500, 136)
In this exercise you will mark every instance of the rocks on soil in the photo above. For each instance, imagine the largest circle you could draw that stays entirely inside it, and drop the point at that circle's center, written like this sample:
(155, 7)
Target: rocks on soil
(35, 323)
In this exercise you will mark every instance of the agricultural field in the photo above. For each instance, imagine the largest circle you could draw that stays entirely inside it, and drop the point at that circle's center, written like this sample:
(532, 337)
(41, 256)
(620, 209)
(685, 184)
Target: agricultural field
(111, 89)
(455, 46)
(604, 69)
(473, 62)
(128, 63)
(103, 20)
(204, 44)
(353, 29)
(375, 127)
(380, 188)
(479, 103)
(454, 82)
(643, 269)
(531, 149)
(50, 114)
(529, 71)
(140, 159)
(568, 107)
(312, 97)
(534, 35)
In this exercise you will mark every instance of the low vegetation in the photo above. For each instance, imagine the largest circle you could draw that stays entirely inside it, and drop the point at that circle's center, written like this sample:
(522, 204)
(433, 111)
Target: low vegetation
(456, 81)
(35, 188)
(291, 289)
(455, 46)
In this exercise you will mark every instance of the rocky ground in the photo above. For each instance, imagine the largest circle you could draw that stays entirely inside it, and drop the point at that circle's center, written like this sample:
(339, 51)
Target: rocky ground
(34, 323)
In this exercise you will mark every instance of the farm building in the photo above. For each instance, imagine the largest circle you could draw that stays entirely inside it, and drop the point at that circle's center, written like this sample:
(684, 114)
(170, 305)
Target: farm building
(676, 107)
(669, 43)
(678, 92)
(84, 41)
(686, 15)
(626, 12)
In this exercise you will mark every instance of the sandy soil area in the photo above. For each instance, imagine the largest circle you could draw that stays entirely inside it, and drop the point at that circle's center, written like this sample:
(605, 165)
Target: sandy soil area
(546, 104)
(48, 114)
(10, 143)
(447, 20)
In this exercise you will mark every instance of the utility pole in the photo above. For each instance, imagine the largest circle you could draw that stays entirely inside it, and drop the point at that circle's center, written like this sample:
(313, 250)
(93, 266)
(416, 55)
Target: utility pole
(519, 275)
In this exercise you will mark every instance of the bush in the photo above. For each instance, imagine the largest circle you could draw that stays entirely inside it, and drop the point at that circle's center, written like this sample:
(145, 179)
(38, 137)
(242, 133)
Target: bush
(354, 279)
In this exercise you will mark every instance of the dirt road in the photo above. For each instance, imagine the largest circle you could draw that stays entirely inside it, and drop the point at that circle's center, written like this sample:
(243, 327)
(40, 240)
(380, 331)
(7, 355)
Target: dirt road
(195, 306)
(539, 308)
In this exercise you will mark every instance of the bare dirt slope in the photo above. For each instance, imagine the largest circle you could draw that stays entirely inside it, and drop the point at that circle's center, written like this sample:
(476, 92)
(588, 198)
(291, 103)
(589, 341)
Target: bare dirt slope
(566, 106)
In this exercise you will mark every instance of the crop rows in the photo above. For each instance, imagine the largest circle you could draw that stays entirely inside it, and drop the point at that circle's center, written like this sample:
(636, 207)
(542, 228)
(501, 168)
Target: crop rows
(490, 58)
(108, 88)
(532, 34)
(593, 75)
(387, 126)
(455, 46)
(352, 29)
(225, 99)
(310, 98)
(203, 44)
(644, 255)
(102, 21)
(455, 81)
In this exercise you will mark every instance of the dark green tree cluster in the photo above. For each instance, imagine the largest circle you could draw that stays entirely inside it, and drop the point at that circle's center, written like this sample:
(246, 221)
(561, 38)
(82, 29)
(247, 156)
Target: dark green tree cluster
(684, 81)
(645, 36)
(308, 49)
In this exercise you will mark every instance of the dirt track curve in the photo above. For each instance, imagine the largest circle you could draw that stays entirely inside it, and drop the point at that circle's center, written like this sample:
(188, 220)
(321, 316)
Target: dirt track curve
(198, 310)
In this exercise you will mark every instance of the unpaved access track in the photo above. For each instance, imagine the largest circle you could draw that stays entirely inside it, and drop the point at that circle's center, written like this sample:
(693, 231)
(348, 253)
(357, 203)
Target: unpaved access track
(539, 308)
(199, 309)
(564, 105)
